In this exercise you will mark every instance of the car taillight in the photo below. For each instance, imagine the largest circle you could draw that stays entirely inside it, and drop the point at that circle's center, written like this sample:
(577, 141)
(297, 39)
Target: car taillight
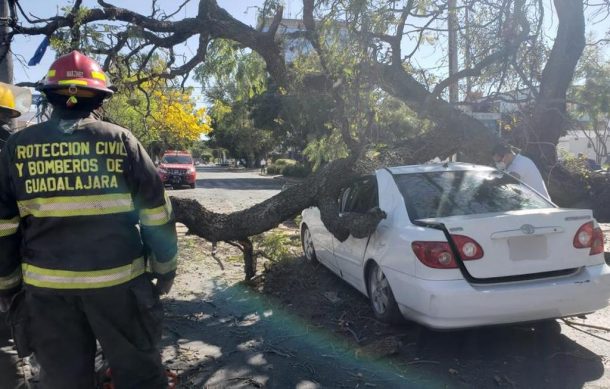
(469, 248)
(589, 237)
(597, 247)
(584, 236)
(438, 255)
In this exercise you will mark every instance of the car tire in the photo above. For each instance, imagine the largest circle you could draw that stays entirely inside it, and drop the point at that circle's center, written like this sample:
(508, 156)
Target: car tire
(307, 243)
(381, 297)
(193, 186)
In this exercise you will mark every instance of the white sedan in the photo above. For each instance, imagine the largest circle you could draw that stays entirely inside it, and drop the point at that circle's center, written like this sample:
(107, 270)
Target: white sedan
(462, 246)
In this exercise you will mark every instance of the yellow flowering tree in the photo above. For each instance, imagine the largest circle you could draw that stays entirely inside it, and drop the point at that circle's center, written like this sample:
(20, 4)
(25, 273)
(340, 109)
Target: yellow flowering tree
(177, 121)
(160, 116)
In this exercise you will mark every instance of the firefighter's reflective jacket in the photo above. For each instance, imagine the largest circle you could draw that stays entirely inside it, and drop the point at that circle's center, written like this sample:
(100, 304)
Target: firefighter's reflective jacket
(81, 207)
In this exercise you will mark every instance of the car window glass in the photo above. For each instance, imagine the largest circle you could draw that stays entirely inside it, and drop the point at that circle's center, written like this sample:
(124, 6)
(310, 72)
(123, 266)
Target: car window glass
(180, 159)
(452, 193)
(363, 196)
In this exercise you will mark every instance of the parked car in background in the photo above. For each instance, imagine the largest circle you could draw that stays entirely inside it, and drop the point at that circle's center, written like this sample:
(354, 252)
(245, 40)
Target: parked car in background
(462, 246)
(177, 169)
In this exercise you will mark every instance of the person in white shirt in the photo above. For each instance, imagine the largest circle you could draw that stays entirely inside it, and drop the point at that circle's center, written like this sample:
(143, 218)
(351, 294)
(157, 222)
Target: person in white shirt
(520, 167)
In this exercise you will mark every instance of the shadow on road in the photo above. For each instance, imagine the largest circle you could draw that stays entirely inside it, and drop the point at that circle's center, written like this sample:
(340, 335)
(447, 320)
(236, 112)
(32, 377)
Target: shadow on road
(237, 337)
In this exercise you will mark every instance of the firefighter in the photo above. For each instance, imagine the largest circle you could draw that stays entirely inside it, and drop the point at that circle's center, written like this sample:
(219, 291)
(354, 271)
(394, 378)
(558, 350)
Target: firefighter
(7, 112)
(86, 227)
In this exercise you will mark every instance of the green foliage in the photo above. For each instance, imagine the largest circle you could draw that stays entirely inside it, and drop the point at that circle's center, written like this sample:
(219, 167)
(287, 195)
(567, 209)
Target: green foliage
(233, 77)
(325, 149)
(275, 244)
(591, 100)
(284, 162)
(200, 150)
(298, 170)
(593, 96)
(274, 169)
(288, 168)
(577, 166)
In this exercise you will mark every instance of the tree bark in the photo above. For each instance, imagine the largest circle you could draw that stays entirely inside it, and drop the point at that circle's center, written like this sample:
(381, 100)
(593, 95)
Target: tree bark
(549, 118)
(249, 258)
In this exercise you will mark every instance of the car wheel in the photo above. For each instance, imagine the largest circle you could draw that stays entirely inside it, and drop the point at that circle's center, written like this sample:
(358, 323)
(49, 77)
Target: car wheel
(193, 186)
(307, 242)
(381, 297)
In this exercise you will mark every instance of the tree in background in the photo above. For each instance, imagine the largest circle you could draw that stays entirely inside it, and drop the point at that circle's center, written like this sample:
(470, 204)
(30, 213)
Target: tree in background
(161, 116)
(591, 101)
(232, 78)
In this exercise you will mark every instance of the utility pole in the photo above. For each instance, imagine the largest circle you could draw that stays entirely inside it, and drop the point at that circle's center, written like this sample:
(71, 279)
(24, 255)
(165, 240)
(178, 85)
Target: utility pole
(452, 25)
(6, 63)
(467, 49)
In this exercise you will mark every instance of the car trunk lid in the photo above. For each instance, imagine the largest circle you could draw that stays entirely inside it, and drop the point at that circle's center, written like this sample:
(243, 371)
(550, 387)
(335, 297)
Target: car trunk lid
(523, 242)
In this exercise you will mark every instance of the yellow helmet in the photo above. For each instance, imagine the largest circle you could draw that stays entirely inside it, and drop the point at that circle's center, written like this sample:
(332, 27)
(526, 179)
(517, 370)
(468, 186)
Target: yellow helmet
(7, 102)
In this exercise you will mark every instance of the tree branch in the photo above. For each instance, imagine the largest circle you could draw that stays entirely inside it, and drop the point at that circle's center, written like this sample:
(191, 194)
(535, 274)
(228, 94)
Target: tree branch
(322, 189)
(337, 90)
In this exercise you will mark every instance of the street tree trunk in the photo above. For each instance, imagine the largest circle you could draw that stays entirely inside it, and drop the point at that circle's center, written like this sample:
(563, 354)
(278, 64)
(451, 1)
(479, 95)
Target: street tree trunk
(549, 117)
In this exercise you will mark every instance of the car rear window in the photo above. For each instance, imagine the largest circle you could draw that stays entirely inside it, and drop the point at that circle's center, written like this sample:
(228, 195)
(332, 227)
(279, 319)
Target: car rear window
(453, 193)
(179, 159)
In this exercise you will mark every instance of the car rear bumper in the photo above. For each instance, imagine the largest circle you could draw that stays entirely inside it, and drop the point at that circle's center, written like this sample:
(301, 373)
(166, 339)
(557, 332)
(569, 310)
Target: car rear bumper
(458, 304)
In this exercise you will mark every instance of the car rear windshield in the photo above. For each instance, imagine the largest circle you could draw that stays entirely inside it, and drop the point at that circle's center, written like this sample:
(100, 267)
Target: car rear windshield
(179, 159)
(453, 193)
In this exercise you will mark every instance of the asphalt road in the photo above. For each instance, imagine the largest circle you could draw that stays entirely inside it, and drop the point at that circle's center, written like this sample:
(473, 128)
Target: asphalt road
(224, 190)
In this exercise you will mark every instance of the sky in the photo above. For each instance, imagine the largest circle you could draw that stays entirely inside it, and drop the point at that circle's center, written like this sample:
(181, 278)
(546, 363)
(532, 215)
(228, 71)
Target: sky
(244, 10)
(24, 47)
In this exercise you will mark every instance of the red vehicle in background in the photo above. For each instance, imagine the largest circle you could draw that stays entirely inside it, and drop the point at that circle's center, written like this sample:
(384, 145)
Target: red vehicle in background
(177, 168)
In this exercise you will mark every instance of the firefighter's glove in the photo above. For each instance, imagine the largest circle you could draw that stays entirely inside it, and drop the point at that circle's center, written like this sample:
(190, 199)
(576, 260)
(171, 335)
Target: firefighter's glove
(164, 285)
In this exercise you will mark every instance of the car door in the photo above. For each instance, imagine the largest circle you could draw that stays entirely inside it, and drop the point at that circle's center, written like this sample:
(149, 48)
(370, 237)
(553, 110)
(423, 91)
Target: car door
(349, 255)
(322, 238)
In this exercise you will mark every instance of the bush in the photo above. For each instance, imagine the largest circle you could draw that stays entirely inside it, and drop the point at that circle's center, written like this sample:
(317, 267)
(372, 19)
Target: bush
(289, 170)
(275, 244)
(296, 171)
(274, 169)
(284, 162)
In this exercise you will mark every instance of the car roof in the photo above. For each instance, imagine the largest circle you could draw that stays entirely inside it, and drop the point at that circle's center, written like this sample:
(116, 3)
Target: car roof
(437, 167)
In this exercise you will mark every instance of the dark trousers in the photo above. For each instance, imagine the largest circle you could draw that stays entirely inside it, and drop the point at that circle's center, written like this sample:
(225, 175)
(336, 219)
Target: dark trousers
(126, 320)
(8, 366)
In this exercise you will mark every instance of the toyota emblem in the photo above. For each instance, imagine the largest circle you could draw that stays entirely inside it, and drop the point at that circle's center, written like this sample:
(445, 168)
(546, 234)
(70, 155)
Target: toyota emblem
(528, 229)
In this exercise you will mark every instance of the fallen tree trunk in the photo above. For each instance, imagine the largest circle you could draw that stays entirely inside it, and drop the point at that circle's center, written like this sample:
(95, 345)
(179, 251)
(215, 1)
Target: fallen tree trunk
(321, 189)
